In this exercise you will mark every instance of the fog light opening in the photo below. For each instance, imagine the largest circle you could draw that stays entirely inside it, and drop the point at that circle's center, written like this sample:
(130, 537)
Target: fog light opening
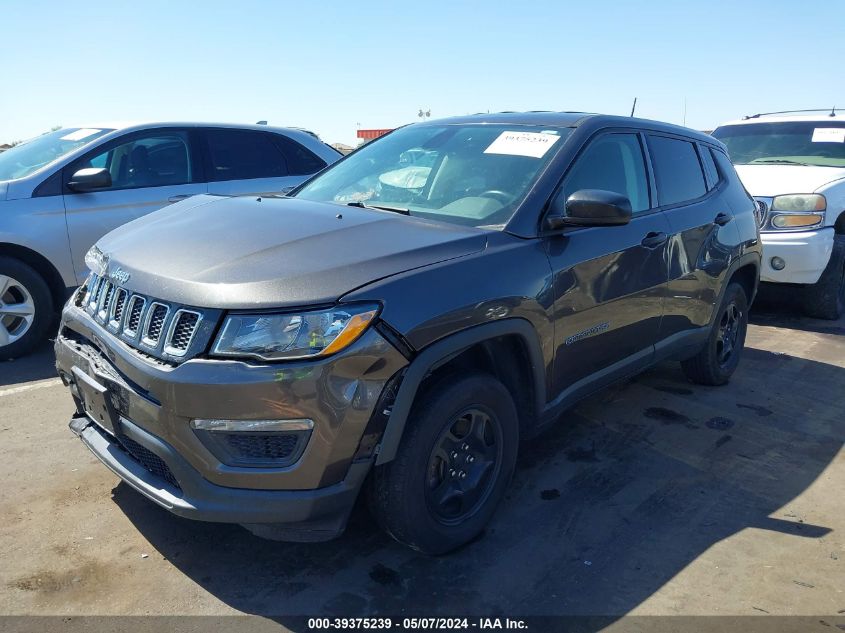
(778, 263)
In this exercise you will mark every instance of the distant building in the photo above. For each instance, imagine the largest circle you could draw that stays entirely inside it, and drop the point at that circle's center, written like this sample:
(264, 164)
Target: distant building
(369, 135)
(342, 148)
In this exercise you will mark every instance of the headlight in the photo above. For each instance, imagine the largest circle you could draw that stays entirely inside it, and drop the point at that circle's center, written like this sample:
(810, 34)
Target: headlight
(797, 211)
(96, 261)
(800, 202)
(293, 335)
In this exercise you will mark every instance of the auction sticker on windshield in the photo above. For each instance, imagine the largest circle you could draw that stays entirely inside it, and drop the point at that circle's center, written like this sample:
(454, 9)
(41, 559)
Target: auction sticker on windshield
(533, 144)
(80, 134)
(829, 135)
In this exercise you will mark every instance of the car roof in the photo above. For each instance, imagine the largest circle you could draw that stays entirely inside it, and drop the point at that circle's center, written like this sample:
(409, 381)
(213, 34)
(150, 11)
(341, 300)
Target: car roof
(124, 126)
(779, 117)
(573, 119)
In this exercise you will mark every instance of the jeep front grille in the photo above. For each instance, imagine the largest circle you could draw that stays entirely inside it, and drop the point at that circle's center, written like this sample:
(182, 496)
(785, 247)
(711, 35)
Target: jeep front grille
(158, 330)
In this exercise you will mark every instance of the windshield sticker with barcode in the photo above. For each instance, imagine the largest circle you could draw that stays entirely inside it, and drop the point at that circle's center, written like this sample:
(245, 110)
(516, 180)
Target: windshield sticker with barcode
(829, 135)
(80, 134)
(533, 144)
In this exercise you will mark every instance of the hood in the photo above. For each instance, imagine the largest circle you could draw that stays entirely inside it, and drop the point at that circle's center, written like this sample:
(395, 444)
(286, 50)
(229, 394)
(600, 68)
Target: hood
(775, 180)
(216, 252)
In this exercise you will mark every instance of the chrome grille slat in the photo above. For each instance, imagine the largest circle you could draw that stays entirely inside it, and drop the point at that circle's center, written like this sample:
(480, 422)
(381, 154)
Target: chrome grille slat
(762, 212)
(183, 327)
(89, 290)
(133, 320)
(118, 303)
(154, 323)
(105, 299)
(95, 297)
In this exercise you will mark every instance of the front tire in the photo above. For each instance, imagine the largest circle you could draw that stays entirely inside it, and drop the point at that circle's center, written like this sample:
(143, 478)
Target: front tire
(26, 308)
(457, 456)
(718, 359)
(826, 298)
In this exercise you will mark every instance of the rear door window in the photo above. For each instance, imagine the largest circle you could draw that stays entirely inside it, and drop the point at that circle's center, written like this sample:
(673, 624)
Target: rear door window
(709, 166)
(244, 155)
(301, 161)
(677, 170)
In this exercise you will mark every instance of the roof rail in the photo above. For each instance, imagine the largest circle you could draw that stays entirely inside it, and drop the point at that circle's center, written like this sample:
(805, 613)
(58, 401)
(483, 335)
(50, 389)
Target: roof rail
(758, 115)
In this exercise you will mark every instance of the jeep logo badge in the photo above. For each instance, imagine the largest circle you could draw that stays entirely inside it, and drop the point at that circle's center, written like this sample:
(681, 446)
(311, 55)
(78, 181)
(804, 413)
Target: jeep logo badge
(119, 276)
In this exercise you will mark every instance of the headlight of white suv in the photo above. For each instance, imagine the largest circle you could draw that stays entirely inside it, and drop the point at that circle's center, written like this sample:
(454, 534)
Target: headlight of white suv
(797, 211)
(293, 335)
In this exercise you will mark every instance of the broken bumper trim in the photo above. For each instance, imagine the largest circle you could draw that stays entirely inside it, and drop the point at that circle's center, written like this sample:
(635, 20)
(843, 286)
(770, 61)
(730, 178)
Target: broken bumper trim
(323, 512)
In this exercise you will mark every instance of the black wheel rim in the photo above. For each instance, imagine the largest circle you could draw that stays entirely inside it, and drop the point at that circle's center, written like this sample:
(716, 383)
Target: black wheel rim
(464, 465)
(727, 338)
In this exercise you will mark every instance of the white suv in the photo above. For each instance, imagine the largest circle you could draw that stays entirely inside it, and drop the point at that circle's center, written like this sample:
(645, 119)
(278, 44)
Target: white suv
(793, 163)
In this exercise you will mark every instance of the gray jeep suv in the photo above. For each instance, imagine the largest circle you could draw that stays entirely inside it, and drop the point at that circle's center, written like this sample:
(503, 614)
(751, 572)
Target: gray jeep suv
(403, 319)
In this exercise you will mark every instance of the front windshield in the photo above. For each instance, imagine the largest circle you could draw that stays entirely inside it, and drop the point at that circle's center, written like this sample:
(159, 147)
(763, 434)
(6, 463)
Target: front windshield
(814, 143)
(474, 175)
(24, 159)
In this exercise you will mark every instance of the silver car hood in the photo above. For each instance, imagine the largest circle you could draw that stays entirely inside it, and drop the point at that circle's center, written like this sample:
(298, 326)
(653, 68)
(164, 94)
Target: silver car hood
(240, 252)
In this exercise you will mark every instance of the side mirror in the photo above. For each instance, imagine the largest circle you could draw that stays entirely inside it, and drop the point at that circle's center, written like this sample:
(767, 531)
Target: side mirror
(592, 207)
(89, 179)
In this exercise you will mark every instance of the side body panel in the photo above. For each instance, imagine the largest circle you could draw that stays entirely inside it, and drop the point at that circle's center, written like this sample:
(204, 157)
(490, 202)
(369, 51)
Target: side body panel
(510, 279)
(39, 225)
(609, 295)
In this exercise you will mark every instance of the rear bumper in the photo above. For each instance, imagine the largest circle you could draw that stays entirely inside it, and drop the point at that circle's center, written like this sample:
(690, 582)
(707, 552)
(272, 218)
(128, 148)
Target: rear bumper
(806, 254)
(320, 513)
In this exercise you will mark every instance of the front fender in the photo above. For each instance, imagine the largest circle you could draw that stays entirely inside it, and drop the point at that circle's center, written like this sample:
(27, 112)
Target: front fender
(434, 355)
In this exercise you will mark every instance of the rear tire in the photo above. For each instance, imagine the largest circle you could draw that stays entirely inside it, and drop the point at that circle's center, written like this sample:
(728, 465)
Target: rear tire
(456, 459)
(826, 298)
(26, 308)
(718, 359)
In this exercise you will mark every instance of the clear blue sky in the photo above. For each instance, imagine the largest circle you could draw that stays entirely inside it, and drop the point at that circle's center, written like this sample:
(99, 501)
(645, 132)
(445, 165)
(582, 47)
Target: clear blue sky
(330, 66)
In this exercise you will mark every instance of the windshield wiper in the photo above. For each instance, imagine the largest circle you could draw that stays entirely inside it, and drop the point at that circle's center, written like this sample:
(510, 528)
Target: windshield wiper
(382, 207)
(758, 161)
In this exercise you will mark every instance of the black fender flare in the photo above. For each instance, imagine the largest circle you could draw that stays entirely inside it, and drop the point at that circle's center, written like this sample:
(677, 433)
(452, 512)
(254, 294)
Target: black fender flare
(755, 259)
(441, 351)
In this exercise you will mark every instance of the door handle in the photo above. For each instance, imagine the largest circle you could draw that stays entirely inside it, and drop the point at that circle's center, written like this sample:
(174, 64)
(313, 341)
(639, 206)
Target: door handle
(654, 239)
(722, 219)
(178, 198)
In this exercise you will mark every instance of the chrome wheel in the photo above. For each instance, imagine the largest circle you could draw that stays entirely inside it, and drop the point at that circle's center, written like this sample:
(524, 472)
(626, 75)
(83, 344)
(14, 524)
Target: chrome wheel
(730, 326)
(17, 310)
(463, 466)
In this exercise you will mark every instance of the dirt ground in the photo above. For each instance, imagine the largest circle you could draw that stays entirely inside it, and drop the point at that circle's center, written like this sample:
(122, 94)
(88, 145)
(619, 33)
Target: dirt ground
(653, 497)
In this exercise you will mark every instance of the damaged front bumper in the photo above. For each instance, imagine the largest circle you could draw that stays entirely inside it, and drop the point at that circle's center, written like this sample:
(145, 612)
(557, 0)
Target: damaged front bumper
(135, 416)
